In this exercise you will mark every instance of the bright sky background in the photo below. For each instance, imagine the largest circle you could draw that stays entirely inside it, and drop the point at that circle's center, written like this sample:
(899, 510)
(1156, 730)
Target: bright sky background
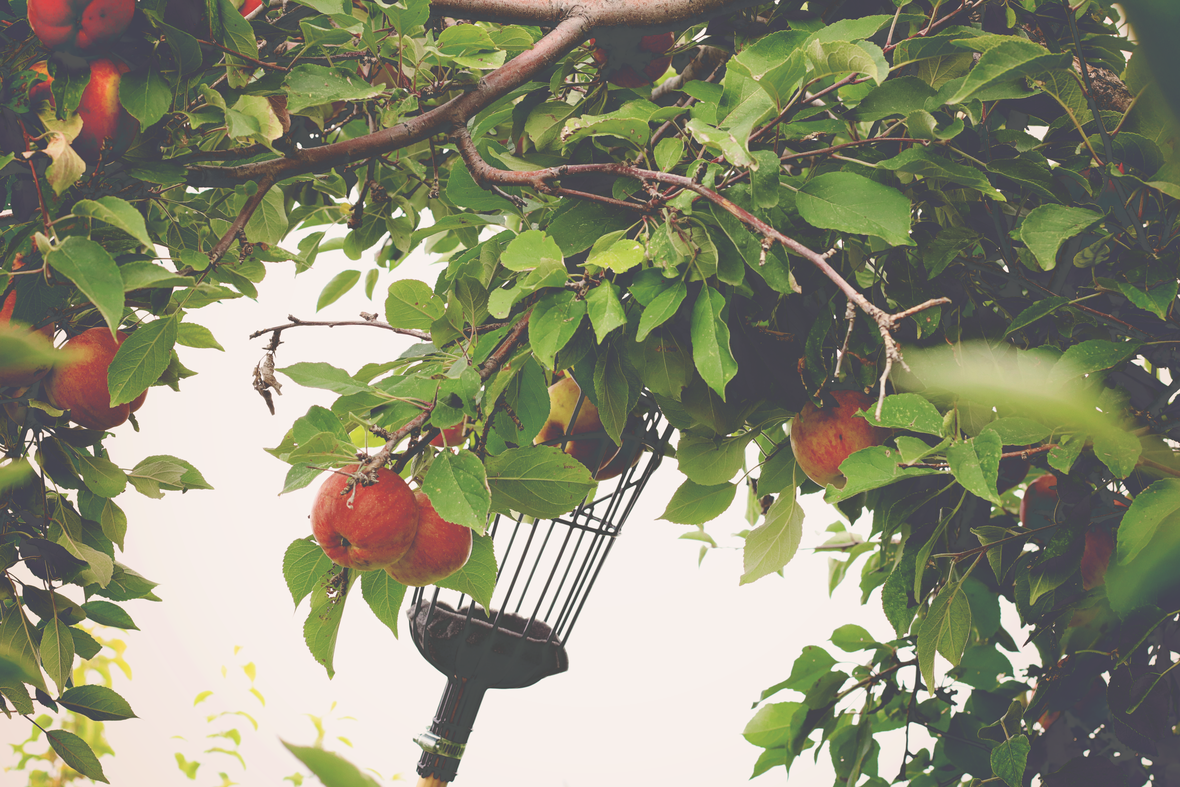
(666, 661)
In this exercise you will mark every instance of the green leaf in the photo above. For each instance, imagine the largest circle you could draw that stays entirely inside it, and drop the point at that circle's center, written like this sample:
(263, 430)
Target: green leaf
(94, 272)
(813, 663)
(1042, 308)
(1153, 508)
(101, 476)
(907, 411)
(539, 481)
(945, 630)
(190, 334)
(555, 319)
(772, 724)
(668, 153)
(323, 622)
(76, 753)
(898, 96)
(57, 651)
(97, 702)
(530, 249)
(17, 647)
(477, 577)
(149, 275)
(458, 489)
(324, 375)
(849, 202)
(872, 468)
(239, 37)
(711, 460)
(1013, 59)
(116, 212)
(412, 304)
(269, 223)
(710, 340)
(146, 95)
(331, 769)
(620, 256)
(384, 595)
(304, 564)
(1047, 227)
(975, 464)
(918, 160)
(605, 310)
(661, 309)
(1015, 430)
(141, 359)
(1009, 759)
(694, 504)
(1091, 356)
(104, 613)
(771, 545)
(340, 284)
(850, 638)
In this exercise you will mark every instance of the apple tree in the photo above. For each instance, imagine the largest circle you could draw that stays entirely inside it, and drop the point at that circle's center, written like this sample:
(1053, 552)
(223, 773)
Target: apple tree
(964, 210)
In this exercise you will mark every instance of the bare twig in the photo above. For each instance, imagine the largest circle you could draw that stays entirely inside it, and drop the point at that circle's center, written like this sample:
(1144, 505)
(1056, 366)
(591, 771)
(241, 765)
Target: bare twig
(298, 323)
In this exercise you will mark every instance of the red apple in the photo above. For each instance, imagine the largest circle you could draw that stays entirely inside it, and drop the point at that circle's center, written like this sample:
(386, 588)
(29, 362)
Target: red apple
(80, 27)
(249, 7)
(80, 384)
(366, 527)
(103, 116)
(627, 64)
(600, 449)
(822, 439)
(440, 548)
(1040, 497)
(20, 375)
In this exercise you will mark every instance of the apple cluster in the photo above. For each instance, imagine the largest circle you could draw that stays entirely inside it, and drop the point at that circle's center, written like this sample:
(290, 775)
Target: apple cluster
(386, 525)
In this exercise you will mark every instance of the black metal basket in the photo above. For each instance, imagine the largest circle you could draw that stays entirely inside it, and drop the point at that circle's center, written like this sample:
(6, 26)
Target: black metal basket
(546, 571)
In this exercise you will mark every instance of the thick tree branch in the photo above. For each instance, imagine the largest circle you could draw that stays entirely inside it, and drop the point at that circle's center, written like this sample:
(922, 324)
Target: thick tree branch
(443, 119)
(647, 16)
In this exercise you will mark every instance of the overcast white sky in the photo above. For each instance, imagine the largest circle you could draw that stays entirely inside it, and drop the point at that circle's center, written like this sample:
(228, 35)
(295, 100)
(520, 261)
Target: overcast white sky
(665, 663)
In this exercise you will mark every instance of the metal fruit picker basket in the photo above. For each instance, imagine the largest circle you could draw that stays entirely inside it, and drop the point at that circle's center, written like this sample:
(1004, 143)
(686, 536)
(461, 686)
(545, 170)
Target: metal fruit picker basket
(546, 571)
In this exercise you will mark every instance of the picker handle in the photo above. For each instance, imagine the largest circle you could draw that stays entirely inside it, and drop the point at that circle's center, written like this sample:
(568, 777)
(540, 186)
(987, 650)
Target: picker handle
(430, 781)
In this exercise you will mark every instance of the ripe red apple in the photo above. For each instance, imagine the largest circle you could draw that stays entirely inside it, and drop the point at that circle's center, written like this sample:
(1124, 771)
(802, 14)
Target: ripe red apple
(822, 439)
(369, 529)
(440, 548)
(1040, 497)
(452, 435)
(103, 116)
(596, 453)
(626, 64)
(80, 383)
(80, 27)
(249, 6)
(20, 375)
